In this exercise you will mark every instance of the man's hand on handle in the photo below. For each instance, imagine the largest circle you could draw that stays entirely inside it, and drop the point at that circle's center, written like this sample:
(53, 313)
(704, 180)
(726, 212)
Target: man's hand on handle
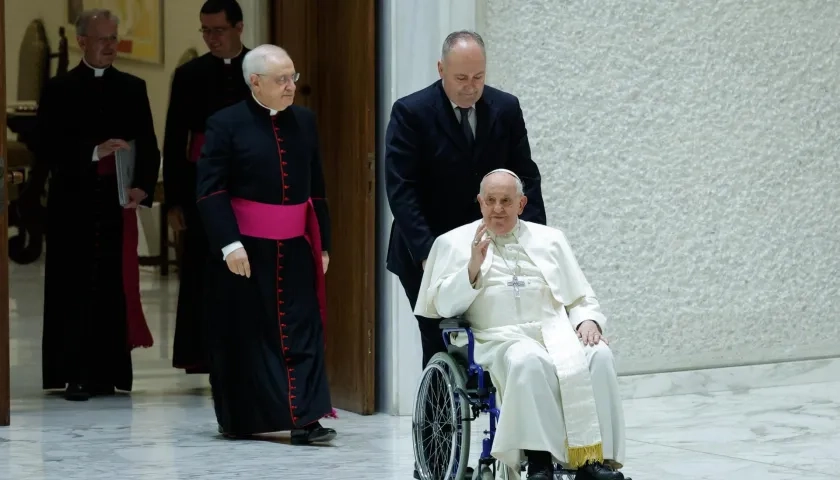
(237, 262)
(479, 251)
(325, 260)
(589, 332)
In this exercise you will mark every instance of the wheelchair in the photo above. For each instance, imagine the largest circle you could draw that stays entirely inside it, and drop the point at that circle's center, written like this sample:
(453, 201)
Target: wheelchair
(452, 393)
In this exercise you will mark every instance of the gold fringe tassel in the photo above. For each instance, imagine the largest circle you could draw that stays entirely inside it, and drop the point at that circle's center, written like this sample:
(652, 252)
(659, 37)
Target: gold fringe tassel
(578, 456)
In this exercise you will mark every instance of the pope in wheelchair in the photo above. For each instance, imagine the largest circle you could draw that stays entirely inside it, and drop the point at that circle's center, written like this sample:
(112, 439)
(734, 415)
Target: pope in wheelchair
(516, 292)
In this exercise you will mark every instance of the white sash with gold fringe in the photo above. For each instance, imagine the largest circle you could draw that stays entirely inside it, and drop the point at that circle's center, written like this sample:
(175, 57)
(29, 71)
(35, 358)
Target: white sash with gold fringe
(583, 432)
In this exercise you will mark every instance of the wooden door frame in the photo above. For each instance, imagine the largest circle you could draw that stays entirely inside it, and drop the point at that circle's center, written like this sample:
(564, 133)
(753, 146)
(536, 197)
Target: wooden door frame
(5, 383)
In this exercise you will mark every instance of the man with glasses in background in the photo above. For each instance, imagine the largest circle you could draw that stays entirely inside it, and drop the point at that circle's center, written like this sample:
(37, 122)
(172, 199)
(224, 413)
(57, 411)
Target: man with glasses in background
(92, 312)
(200, 88)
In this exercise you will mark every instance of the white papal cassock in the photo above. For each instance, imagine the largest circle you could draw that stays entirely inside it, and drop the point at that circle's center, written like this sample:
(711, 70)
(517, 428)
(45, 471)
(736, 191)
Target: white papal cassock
(555, 394)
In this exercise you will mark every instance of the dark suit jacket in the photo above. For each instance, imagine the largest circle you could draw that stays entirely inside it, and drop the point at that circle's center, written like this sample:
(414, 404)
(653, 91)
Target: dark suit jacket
(431, 178)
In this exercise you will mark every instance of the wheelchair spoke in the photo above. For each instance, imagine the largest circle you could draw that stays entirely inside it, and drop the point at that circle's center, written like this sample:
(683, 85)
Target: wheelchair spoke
(439, 426)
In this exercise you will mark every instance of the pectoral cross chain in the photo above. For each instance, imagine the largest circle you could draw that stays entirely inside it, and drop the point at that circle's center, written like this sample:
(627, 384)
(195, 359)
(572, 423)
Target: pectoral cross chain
(516, 283)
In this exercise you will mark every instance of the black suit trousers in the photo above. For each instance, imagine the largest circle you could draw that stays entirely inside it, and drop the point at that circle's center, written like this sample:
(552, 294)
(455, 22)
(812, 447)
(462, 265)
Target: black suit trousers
(430, 334)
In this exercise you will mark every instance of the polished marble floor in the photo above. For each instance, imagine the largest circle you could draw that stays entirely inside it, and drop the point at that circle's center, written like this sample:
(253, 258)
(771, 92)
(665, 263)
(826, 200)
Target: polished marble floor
(166, 428)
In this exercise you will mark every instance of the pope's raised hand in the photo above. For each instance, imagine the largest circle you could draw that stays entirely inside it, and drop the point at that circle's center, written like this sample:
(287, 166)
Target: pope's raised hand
(478, 253)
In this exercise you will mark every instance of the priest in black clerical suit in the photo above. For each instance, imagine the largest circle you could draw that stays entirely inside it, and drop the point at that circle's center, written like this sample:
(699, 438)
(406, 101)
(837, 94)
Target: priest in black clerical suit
(439, 144)
(200, 88)
(92, 312)
(261, 197)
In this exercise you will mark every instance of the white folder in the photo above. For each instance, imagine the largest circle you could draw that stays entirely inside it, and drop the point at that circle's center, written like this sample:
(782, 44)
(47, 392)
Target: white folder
(125, 172)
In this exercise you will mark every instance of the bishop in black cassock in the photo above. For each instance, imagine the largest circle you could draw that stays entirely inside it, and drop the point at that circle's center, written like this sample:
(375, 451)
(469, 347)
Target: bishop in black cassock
(200, 88)
(92, 312)
(261, 198)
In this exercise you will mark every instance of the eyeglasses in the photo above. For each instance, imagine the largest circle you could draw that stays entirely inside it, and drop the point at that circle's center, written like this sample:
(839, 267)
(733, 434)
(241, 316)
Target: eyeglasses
(103, 40)
(215, 32)
(283, 79)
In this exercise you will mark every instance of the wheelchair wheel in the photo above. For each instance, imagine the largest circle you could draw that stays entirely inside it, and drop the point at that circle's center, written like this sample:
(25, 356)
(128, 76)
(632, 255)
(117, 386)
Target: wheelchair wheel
(440, 432)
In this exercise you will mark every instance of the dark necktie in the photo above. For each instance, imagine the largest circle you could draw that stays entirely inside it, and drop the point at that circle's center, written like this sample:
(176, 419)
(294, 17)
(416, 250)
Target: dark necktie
(465, 126)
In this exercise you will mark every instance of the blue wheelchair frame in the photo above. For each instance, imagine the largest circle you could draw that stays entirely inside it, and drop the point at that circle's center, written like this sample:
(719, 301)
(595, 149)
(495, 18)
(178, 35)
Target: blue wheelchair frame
(484, 400)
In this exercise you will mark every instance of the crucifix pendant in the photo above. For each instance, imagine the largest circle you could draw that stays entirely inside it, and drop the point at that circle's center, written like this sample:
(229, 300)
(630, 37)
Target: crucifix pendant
(516, 283)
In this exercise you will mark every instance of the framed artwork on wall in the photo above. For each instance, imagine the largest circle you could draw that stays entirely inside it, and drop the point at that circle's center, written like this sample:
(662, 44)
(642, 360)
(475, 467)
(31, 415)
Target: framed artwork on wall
(140, 31)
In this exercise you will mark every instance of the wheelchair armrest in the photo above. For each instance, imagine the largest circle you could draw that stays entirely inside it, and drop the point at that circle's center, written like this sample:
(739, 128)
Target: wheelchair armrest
(454, 323)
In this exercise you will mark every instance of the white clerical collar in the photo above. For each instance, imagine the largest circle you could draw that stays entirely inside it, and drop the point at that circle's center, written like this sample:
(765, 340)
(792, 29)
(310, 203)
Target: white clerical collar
(228, 60)
(97, 72)
(272, 111)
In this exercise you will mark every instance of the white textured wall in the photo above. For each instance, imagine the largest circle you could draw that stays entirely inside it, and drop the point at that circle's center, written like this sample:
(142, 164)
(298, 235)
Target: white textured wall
(689, 148)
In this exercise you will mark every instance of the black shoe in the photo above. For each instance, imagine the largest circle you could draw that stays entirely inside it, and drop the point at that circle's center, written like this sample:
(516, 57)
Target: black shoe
(314, 433)
(541, 476)
(597, 471)
(539, 465)
(76, 393)
(416, 473)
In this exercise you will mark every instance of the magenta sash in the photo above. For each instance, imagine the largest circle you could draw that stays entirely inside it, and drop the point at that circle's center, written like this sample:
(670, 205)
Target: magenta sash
(282, 222)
